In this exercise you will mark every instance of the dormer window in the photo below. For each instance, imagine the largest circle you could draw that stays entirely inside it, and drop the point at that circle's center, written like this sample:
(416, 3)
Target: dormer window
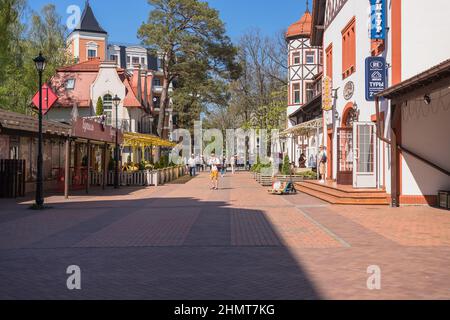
(70, 84)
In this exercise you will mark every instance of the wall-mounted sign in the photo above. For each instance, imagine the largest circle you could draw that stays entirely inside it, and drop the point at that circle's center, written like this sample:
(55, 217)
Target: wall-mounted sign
(349, 89)
(378, 19)
(375, 77)
(92, 130)
(327, 94)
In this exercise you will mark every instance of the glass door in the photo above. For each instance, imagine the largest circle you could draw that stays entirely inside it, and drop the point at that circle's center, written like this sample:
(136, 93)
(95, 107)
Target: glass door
(364, 165)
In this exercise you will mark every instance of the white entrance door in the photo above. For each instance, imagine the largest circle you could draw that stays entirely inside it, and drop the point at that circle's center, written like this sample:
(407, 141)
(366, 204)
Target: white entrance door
(364, 163)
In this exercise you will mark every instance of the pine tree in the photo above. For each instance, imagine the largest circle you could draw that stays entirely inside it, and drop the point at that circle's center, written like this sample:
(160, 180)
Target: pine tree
(189, 37)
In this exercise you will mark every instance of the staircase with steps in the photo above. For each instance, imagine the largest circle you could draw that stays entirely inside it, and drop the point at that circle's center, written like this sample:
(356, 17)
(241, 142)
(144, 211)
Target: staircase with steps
(343, 195)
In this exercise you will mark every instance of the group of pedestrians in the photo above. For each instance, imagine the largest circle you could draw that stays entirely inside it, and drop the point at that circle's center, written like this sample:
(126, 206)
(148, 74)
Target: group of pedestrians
(218, 167)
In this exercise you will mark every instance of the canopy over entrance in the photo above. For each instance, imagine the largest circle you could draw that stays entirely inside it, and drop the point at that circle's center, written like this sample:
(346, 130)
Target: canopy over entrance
(145, 140)
(304, 128)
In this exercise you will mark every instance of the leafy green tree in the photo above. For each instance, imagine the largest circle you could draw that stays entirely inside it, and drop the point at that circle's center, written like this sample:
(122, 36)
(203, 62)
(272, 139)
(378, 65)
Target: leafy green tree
(43, 32)
(99, 108)
(189, 37)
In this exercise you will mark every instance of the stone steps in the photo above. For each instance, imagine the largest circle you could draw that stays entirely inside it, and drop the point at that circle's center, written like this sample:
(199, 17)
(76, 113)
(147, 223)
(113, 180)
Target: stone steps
(334, 195)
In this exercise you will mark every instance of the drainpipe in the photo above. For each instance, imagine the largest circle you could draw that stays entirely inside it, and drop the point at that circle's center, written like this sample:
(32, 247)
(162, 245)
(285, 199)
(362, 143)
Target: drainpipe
(379, 129)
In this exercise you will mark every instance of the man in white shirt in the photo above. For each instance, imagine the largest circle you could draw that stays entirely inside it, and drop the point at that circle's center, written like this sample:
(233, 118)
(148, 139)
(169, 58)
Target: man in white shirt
(214, 162)
(192, 166)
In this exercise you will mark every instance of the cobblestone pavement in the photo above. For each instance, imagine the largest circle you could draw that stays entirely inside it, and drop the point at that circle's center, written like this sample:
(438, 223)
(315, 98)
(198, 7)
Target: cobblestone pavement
(184, 241)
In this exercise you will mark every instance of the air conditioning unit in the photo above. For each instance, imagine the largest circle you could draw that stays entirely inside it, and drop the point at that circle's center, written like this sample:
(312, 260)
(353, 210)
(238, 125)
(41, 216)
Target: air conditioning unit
(444, 199)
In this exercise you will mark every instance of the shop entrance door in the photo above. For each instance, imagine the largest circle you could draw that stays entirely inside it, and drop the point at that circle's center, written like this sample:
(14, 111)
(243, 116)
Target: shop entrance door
(345, 156)
(364, 173)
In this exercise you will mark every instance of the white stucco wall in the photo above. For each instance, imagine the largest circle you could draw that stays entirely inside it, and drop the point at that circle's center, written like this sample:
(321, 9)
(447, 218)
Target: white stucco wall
(426, 131)
(333, 35)
(108, 82)
(425, 35)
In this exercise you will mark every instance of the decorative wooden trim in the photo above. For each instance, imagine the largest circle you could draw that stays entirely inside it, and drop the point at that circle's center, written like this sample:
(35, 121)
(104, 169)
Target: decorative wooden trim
(349, 25)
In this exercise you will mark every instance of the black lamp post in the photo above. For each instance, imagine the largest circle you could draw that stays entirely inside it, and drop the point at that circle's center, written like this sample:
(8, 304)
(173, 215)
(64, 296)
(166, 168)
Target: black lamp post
(40, 66)
(116, 101)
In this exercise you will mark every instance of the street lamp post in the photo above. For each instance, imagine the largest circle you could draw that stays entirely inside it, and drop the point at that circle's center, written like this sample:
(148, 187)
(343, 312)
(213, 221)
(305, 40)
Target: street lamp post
(116, 100)
(40, 66)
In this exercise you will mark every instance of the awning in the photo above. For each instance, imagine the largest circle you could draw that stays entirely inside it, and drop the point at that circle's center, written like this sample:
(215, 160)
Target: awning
(304, 128)
(145, 140)
(422, 80)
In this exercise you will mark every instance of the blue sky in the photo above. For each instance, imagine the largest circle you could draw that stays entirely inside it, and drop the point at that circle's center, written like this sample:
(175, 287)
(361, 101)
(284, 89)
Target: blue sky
(122, 18)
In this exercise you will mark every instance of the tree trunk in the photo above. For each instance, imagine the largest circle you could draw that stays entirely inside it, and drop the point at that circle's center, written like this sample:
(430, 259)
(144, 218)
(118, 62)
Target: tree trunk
(162, 113)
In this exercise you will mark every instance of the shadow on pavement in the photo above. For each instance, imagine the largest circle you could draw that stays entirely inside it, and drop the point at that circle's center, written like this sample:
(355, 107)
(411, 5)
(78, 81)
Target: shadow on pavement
(157, 248)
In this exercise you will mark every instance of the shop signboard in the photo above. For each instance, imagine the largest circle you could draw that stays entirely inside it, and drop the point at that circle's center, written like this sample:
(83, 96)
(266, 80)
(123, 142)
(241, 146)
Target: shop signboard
(93, 130)
(327, 94)
(378, 19)
(375, 77)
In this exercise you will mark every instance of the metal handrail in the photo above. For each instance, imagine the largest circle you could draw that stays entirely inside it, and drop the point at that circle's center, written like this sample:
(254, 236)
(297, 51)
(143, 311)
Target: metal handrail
(402, 148)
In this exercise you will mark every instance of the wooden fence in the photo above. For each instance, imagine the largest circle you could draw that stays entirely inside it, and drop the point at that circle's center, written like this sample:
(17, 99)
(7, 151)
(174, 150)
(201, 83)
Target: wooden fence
(140, 178)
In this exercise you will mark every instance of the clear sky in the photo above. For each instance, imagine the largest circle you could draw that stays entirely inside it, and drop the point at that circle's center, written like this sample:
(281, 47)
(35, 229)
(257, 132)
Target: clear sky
(122, 18)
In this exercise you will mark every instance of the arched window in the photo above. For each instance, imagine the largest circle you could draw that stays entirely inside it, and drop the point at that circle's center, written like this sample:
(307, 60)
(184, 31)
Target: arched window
(107, 108)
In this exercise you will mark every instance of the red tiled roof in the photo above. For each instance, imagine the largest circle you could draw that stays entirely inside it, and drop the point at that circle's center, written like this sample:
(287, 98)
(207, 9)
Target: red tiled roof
(85, 74)
(301, 27)
(87, 66)
(130, 100)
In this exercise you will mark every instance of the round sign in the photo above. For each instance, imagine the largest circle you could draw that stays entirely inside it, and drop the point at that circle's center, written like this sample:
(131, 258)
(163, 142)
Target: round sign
(349, 89)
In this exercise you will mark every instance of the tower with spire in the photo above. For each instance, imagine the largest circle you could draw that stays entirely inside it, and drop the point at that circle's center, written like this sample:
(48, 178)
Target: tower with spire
(88, 40)
(304, 61)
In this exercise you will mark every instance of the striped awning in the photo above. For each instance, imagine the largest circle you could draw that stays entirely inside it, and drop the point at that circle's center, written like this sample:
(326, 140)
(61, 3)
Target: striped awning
(145, 140)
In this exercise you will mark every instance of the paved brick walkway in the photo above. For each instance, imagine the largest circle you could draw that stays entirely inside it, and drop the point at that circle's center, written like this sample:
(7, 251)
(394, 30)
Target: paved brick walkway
(184, 241)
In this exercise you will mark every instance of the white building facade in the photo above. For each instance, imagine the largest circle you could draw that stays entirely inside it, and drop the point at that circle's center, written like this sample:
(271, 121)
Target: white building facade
(360, 156)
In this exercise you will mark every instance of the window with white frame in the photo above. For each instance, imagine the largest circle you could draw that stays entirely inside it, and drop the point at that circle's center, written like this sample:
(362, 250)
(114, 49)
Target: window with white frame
(296, 93)
(92, 50)
(157, 82)
(92, 53)
(107, 108)
(114, 57)
(296, 58)
(70, 84)
(310, 57)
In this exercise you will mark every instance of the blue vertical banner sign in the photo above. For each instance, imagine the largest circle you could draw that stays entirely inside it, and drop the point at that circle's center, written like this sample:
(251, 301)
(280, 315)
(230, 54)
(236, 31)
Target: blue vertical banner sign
(375, 76)
(378, 19)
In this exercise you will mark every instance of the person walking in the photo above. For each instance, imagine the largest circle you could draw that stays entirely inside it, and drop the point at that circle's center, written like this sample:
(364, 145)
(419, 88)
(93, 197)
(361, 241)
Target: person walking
(224, 167)
(192, 166)
(233, 164)
(214, 163)
(322, 163)
(198, 163)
